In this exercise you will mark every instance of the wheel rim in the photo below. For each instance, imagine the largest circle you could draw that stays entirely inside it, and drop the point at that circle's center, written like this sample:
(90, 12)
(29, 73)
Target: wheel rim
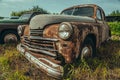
(86, 52)
(10, 38)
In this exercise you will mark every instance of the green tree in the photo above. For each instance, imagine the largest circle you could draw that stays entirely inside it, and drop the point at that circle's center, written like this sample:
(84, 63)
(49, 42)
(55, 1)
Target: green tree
(115, 13)
(1, 17)
(37, 8)
(34, 9)
(55, 13)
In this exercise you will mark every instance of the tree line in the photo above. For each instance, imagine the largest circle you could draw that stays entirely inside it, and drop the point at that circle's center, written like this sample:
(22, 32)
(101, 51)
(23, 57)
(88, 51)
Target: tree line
(115, 13)
(34, 9)
(43, 11)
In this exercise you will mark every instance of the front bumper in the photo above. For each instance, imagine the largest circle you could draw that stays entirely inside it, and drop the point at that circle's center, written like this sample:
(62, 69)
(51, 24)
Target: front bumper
(45, 65)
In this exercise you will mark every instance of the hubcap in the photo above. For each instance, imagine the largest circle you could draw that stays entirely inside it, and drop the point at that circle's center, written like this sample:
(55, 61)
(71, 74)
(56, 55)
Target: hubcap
(10, 38)
(86, 52)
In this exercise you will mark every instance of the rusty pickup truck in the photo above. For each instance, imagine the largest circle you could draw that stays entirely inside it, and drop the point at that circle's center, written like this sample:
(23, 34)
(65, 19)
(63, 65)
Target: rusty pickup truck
(8, 27)
(51, 41)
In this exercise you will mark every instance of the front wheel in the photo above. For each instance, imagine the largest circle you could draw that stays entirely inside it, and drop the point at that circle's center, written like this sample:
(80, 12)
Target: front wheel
(9, 37)
(88, 49)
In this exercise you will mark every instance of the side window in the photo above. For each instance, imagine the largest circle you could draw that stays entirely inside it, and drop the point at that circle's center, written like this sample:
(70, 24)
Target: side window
(99, 15)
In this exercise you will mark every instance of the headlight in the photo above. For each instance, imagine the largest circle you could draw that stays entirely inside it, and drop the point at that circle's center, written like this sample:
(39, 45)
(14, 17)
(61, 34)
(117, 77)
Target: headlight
(65, 30)
(20, 30)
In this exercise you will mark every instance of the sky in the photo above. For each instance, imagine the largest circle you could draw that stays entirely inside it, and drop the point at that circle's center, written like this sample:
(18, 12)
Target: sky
(54, 6)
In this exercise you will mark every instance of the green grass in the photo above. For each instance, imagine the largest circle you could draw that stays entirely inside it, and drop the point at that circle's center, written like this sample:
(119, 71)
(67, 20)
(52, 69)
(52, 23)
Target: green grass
(115, 28)
(105, 66)
(9, 57)
(13, 66)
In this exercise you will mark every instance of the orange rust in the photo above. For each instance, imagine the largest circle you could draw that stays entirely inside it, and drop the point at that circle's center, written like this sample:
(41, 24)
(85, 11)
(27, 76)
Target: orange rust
(70, 49)
(26, 30)
(67, 50)
(51, 31)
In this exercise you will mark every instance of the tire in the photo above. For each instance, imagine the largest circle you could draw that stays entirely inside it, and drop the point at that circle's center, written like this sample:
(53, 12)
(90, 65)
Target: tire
(9, 37)
(88, 49)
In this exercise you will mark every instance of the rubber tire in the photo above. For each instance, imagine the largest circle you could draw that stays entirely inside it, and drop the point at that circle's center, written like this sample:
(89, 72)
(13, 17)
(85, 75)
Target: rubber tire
(88, 42)
(9, 32)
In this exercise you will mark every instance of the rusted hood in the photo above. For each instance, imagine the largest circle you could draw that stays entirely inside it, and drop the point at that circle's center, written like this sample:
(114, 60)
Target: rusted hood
(40, 21)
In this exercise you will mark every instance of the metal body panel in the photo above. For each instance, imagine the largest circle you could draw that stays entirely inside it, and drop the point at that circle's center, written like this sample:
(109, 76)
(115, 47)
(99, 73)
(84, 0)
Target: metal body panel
(40, 21)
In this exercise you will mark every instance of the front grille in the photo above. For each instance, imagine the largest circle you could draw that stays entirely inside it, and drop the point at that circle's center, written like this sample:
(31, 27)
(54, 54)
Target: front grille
(36, 32)
(36, 43)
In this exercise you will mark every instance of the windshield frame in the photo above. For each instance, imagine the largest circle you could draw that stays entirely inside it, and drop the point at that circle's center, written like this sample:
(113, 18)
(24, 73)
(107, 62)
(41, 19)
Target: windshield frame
(74, 8)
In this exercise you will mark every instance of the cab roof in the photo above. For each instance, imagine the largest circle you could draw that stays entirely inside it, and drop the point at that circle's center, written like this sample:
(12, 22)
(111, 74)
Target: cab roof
(83, 5)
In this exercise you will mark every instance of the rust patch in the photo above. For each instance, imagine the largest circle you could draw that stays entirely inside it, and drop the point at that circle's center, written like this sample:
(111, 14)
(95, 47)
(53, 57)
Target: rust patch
(66, 49)
(70, 49)
(51, 31)
(26, 30)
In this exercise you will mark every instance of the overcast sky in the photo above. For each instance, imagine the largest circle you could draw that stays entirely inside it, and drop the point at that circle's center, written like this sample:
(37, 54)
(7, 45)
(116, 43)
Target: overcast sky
(54, 6)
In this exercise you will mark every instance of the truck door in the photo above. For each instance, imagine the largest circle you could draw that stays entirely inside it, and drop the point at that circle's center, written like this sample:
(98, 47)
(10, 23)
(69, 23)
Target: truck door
(104, 27)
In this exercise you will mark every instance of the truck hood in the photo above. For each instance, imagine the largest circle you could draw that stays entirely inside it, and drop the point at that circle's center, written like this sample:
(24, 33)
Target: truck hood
(40, 21)
(13, 21)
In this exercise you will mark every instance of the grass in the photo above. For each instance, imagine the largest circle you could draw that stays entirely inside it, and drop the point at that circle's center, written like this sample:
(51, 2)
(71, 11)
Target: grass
(13, 66)
(105, 66)
(115, 28)
(9, 57)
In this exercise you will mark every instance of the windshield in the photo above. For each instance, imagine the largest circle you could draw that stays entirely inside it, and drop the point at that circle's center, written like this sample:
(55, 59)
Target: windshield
(25, 16)
(80, 11)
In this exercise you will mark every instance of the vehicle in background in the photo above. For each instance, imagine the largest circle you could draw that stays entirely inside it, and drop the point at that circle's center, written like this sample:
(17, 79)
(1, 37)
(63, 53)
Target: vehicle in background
(8, 27)
(14, 17)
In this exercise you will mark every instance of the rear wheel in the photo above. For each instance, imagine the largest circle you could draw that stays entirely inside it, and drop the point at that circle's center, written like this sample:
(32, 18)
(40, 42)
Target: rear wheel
(9, 37)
